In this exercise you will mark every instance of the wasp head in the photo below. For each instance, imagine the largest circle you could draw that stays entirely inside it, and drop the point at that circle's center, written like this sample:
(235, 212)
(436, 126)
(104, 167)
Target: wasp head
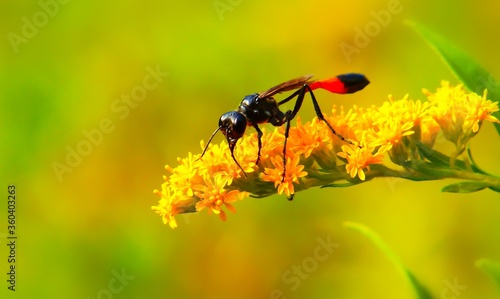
(233, 125)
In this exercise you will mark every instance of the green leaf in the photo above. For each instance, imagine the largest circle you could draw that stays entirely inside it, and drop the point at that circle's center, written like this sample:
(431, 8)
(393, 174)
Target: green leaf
(341, 185)
(466, 187)
(441, 160)
(479, 170)
(467, 70)
(420, 291)
(430, 170)
(491, 268)
(434, 156)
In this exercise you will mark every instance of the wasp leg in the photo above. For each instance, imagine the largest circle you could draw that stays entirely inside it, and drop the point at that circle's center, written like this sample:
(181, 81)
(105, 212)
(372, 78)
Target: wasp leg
(320, 116)
(232, 145)
(290, 97)
(289, 115)
(259, 136)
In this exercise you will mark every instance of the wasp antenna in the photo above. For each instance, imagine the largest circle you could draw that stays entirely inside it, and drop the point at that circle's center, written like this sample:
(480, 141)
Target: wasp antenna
(209, 140)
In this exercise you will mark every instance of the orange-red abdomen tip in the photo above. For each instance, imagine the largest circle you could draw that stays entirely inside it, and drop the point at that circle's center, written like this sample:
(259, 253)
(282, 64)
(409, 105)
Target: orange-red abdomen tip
(347, 83)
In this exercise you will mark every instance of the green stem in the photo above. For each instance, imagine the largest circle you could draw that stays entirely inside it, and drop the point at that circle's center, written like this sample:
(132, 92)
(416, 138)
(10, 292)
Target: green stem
(414, 171)
(474, 176)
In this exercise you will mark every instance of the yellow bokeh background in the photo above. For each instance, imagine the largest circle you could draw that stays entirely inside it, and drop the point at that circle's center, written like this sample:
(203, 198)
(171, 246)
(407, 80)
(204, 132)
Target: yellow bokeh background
(81, 228)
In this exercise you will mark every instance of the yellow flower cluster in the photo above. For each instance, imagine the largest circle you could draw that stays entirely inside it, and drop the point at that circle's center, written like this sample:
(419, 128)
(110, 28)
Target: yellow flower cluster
(315, 157)
(460, 113)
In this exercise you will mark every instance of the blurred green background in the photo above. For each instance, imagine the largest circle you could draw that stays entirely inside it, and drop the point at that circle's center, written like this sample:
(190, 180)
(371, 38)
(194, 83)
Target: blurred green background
(87, 231)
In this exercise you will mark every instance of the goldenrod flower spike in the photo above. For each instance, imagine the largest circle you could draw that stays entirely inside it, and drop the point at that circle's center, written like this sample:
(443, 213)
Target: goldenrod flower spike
(460, 113)
(396, 139)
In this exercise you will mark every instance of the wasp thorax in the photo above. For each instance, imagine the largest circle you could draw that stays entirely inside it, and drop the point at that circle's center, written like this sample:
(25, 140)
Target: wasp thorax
(233, 124)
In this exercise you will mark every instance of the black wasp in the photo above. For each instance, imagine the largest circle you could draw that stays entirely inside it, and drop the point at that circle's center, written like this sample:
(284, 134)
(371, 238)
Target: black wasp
(261, 108)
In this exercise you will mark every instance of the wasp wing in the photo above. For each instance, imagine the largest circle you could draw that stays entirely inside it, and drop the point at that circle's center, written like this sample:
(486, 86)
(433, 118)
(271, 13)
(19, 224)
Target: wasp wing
(286, 86)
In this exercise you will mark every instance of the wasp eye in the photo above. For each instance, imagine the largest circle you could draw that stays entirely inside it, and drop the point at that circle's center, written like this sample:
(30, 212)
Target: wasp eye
(233, 124)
